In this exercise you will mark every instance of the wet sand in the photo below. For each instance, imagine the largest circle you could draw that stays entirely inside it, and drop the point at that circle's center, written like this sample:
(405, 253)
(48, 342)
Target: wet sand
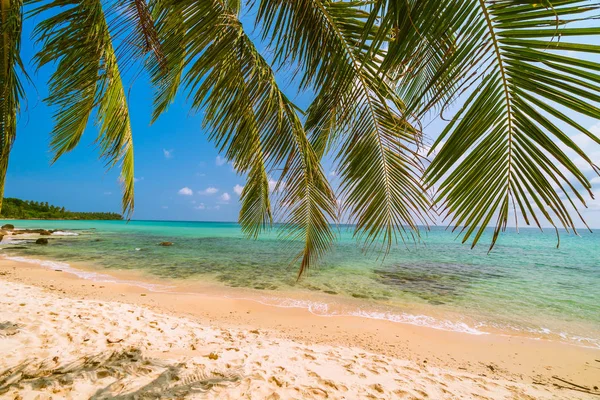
(76, 338)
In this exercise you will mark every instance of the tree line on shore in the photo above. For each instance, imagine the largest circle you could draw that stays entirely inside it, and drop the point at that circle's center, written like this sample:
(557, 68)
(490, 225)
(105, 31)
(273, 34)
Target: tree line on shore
(26, 209)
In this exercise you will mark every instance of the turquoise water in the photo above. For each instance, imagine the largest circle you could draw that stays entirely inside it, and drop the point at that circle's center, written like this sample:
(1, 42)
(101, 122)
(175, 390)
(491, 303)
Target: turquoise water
(525, 286)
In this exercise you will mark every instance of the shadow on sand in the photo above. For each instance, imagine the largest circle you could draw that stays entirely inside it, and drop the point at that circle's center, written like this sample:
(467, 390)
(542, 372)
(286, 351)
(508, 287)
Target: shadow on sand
(125, 374)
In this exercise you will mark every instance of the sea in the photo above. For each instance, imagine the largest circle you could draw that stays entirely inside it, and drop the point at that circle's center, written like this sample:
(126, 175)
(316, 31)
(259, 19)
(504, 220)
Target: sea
(526, 286)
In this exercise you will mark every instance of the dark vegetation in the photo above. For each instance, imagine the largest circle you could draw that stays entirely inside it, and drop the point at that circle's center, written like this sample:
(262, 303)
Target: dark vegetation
(25, 209)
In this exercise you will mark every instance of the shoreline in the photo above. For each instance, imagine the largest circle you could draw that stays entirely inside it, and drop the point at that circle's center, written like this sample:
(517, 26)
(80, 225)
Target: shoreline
(420, 317)
(521, 360)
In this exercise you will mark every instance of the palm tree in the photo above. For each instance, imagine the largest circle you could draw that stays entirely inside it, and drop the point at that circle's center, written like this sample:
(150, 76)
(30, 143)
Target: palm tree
(377, 68)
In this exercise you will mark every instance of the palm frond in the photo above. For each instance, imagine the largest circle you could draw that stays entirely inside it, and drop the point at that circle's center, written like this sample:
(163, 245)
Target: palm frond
(355, 110)
(171, 27)
(250, 120)
(76, 38)
(132, 22)
(501, 151)
(11, 89)
(419, 42)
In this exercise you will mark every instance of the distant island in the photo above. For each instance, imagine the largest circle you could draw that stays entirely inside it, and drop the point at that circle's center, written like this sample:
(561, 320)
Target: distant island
(24, 209)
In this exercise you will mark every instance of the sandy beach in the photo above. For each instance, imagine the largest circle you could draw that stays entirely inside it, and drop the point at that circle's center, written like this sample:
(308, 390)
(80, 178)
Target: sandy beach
(66, 337)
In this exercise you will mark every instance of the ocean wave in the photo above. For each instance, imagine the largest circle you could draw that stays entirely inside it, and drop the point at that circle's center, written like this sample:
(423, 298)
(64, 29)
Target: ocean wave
(93, 276)
(10, 240)
(326, 310)
(420, 320)
(64, 233)
(547, 333)
(331, 310)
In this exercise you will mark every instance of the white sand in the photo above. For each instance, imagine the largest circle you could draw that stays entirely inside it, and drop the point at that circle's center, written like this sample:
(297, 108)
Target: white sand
(54, 346)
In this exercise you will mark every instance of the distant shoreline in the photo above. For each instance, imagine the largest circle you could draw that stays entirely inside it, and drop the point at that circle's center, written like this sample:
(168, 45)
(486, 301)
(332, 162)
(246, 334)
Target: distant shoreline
(56, 219)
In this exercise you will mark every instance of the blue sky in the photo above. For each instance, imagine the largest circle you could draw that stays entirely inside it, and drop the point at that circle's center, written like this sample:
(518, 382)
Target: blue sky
(180, 175)
(170, 155)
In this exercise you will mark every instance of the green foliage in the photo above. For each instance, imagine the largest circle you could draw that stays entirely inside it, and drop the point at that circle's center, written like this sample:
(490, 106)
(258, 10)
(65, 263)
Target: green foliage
(374, 69)
(11, 90)
(24, 209)
(87, 78)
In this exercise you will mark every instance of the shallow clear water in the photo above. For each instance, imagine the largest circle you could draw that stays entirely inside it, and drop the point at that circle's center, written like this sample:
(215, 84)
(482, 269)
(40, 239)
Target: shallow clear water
(525, 285)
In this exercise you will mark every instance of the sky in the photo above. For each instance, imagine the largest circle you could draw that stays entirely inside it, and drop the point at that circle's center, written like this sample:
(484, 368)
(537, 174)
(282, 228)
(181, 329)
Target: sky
(179, 173)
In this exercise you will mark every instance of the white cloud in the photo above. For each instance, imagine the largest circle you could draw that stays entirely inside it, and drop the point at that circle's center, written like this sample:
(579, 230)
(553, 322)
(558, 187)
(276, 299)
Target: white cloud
(595, 181)
(165, 207)
(168, 153)
(138, 179)
(273, 185)
(220, 161)
(186, 191)
(333, 174)
(107, 193)
(217, 207)
(225, 197)
(237, 189)
(200, 206)
(208, 191)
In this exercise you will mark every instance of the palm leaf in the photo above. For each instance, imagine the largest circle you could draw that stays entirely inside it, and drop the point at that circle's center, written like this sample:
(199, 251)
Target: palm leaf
(356, 113)
(419, 42)
(248, 118)
(76, 38)
(501, 152)
(171, 28)
(132, 22)
(11, 90)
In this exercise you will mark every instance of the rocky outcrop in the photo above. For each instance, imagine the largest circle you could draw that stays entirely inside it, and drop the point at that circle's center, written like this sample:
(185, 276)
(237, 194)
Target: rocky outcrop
(165, 244)
(41, 241)
(8, 227)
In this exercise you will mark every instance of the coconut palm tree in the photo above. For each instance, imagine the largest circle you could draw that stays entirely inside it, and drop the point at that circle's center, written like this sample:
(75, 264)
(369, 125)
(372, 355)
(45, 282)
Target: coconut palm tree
(516, 68)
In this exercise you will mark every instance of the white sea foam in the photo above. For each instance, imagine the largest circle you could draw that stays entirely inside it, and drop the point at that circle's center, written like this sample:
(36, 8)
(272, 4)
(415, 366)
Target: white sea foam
(11, 240)
(325, 310)
(64, 233)
(16, 241)
(546, 333)
(93, 276)
(420, 320)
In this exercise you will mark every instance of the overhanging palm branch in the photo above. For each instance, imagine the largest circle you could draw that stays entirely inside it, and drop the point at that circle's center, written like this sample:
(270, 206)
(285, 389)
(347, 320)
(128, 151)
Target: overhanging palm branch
(87, 78)
(418, 41)
(133, 24)
(375, 68)
(248, 118)
(502, 151)
(171, 28)
(11, 90)
(356, 112)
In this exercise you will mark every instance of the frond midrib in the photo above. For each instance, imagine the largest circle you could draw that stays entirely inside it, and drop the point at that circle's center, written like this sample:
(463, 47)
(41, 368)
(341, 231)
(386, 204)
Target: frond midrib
(358, 68)
(507, 97)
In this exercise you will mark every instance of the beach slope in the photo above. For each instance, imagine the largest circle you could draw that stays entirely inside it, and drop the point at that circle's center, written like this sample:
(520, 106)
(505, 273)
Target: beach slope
(60, 344)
